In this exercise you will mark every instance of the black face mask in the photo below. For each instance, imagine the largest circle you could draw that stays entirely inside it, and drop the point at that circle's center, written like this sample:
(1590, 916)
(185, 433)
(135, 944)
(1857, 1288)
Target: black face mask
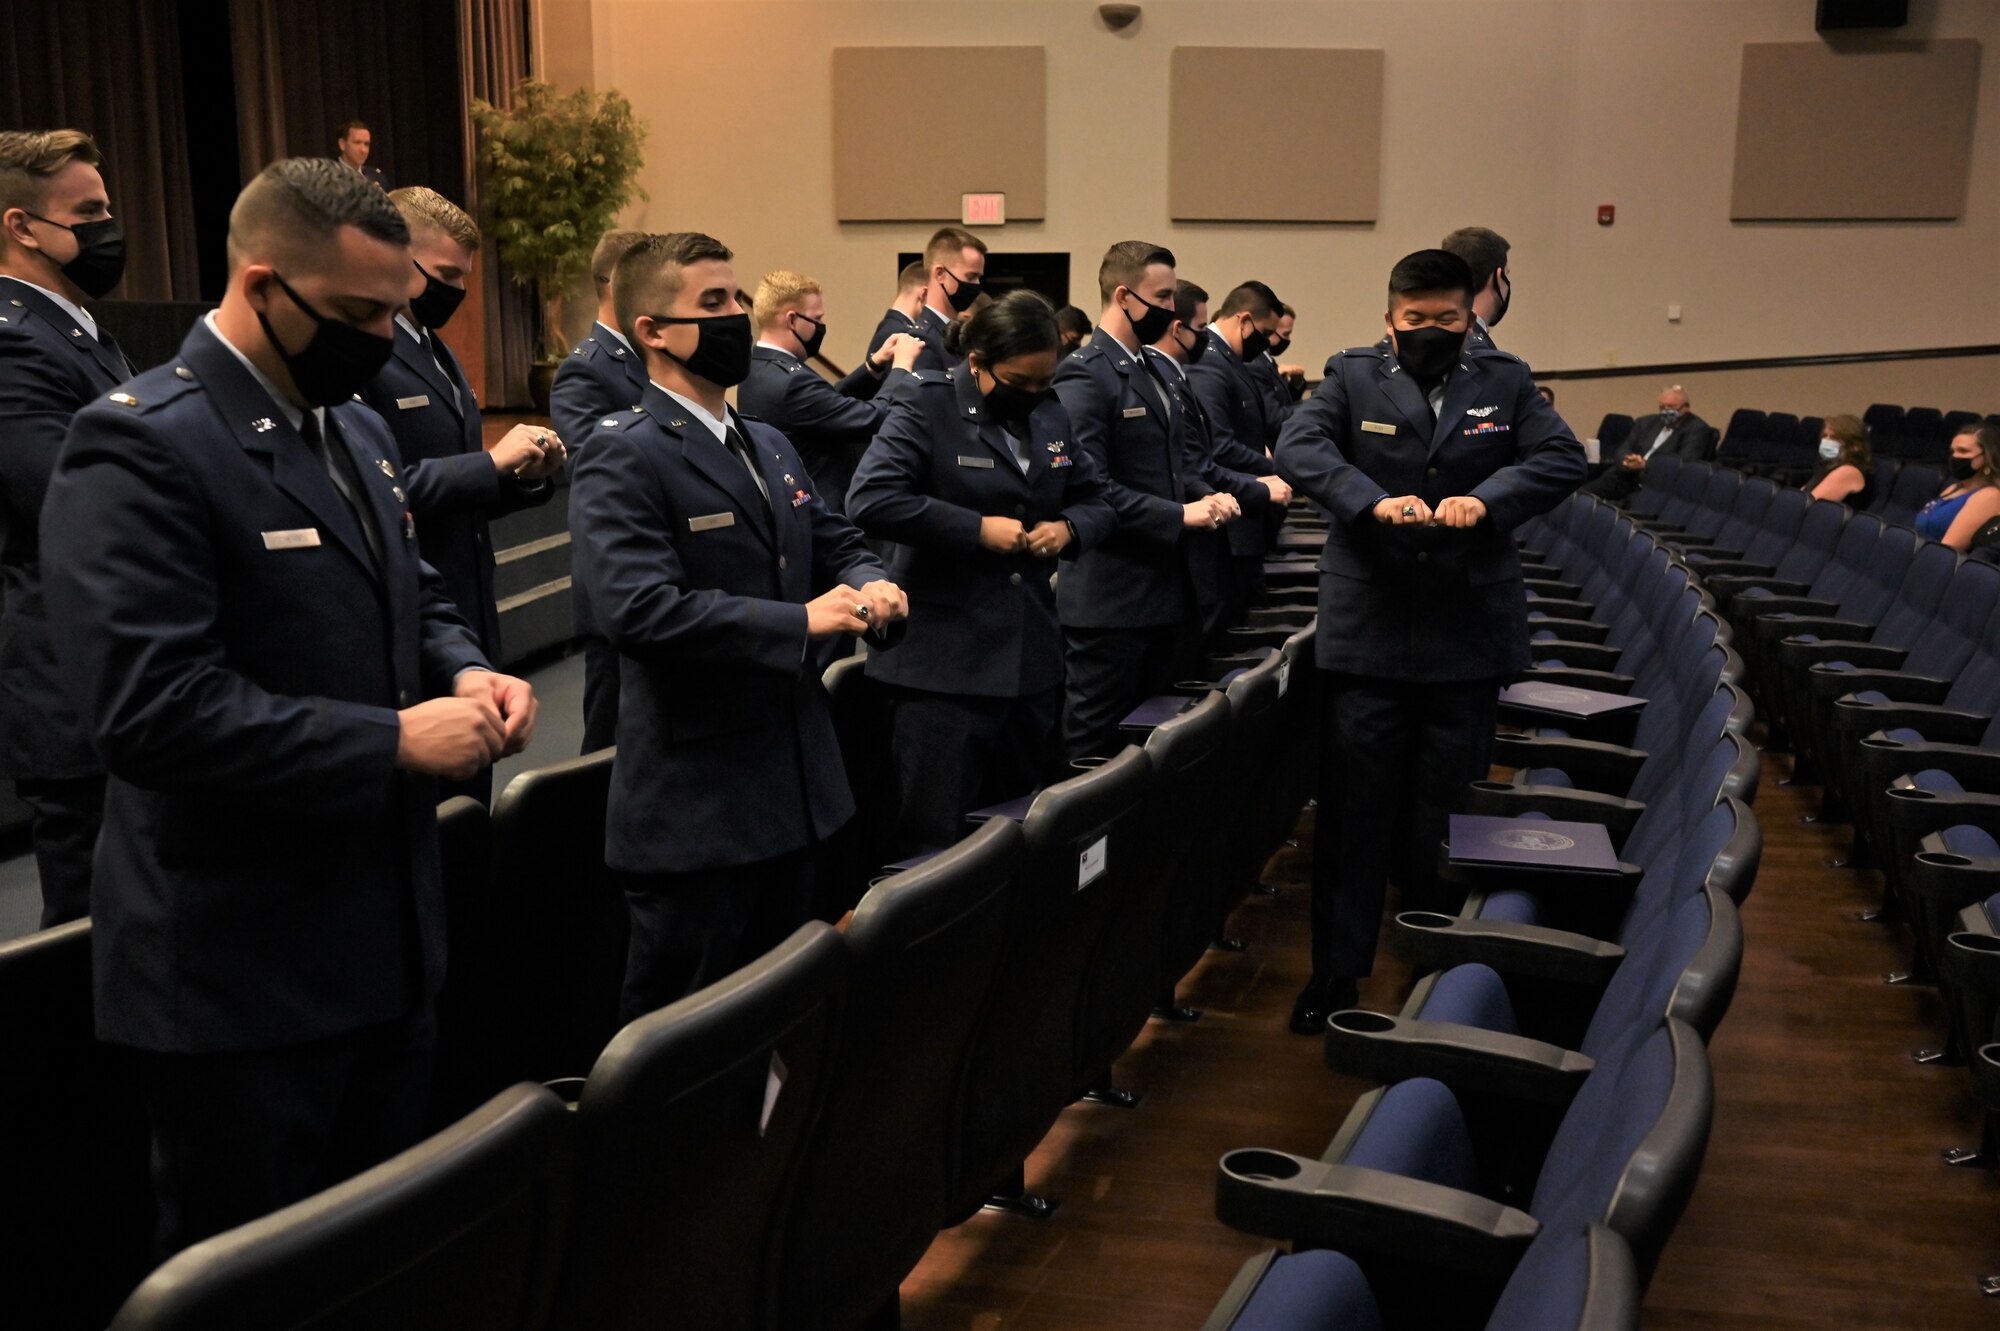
(1280, 345)
(1151, 326)
(1505, 295)
(1198, 350)
(100, 253)
(810, 344)
(336, 362)
(1255, 341)
(437, 302)
(1964, 469)
(721, 353)
(1428, 353)
(1008, 405)
(962, 294)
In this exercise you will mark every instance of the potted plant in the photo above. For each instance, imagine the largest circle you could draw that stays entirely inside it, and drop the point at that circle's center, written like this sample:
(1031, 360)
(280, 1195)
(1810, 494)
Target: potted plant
(557, 171)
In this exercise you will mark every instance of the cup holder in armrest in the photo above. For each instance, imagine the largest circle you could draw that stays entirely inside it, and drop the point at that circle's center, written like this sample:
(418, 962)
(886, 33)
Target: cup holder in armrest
(1263, 1166)
(1493, 785)
(1911, 793)
(1360, 1021)
(1425, 919)
(1087, 764)
(568, 1089)
(1945, 859)
(1989, 1054)
(1984, 944)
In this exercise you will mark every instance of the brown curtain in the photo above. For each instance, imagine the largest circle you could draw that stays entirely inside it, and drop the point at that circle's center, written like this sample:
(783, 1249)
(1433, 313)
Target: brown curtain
(112, 69)
(493, 57)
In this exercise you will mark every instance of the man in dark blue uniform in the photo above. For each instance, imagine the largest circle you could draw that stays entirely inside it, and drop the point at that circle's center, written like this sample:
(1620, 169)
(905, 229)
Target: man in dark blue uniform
(906, 311)
(1127, 605)
(1242, 431)
(275, 679)
(1426, 458)
(713, 567)
(601, 376)
(355, 144)
(1486, 253)
(454, 484)
(954, 275)
(829, 424)
(1281, 384)
(59, 248)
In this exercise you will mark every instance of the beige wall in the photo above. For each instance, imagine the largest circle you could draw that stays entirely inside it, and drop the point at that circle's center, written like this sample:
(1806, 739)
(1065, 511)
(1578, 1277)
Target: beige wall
(1545, 109)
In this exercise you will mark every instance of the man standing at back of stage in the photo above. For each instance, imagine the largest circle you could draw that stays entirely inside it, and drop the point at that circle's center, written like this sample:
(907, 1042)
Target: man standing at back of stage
(60, 248)
(1426, 456)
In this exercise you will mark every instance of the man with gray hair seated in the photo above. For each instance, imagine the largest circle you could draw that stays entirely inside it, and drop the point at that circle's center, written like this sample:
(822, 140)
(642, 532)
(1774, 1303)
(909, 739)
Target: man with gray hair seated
(1675, 429)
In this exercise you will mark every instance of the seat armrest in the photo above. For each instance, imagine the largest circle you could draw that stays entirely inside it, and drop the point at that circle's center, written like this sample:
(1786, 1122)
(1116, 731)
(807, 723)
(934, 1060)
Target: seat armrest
(1500, 800)
(1831, 627)
(1765, 608)
(1320, 1205)
(1863, 655)
(1570, 630)
(1610, 768)
(1590, 655)
(1723, 584)
(1952, 882)
(1898, 684)
(1971, 958)
(1946, 724)
(1382, 1048)
(1604, 681)
(1974, 768)
(1563, 607)
(1712, 571)
(1708, 551)
(1921, 812)
(1796, 653)
(1433, 941)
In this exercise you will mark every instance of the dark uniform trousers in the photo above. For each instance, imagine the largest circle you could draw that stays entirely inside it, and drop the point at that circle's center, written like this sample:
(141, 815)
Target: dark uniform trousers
(1418, 626)
(65, 814)
(954, 752)
(600, 377)
(691, 929)
(1108, 672)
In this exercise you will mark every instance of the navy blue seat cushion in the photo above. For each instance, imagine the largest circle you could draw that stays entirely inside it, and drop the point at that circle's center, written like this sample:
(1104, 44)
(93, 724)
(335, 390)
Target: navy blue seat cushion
(1618, 1105)
(1931, 778)
(1548, 1289)
(1970, 842)
(1905, 735)
(1547, 776)
(1472, 995)
(1418, 1131)
(1512, 905)
(1317, 1290)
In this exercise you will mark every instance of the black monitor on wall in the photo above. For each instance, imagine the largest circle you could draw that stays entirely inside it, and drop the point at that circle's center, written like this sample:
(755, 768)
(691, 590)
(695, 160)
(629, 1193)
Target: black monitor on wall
(1838, 14)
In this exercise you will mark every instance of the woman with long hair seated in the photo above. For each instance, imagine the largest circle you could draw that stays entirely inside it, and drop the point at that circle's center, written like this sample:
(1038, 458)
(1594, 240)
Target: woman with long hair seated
(1971, 497)
(1846, 472)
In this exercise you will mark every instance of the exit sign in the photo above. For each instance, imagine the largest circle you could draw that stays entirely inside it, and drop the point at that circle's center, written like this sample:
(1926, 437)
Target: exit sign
(983, 209)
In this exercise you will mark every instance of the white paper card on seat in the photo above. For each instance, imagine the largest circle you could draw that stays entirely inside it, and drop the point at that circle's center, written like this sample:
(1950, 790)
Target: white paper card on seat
(774, 1082)
(1090, 865)
(1284, 678)
(304, 538)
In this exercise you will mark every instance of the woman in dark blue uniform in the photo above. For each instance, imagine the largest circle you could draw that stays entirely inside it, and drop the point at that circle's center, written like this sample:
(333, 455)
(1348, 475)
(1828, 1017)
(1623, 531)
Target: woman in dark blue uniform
(975, 476)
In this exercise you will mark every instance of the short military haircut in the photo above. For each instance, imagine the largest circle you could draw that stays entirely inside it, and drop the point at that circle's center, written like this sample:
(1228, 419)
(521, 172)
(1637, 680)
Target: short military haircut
(299, 203)
(947, 243)
(422, 206)
(1073, 322)
(1432, 272)
(1187, 297)
(1287, 312)
(649, 276)
(30, 157)
(1485, 252)
(347, 127)
(1125, 264)
(914, 275)
(611, 247)
(1254, 296)
(779, 291)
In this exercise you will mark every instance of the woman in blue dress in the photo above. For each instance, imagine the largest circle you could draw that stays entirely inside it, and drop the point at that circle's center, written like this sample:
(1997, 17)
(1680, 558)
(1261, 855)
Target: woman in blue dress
(1971, 498)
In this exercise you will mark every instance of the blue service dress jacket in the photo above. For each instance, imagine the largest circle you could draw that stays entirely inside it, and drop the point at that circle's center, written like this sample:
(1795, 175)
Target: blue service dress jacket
(981, 623)
(1242, 433)
(454, 488)
(830, 425)
(726, 748)
(600, 378)
(1128, 424)
(49, 368)
(1426, 603)
(239, 650)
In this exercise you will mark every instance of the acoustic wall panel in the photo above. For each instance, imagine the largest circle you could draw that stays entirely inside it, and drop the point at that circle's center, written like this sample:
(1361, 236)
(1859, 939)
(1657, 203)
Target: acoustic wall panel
(1220, 171)
(1826, 135)
(890, 164)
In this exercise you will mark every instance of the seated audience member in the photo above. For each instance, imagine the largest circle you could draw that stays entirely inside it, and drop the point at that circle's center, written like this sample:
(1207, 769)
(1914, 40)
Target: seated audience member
(1846, 472)
(905, 311)
(830, 424)
(1676, 429)
(1970, 498)
(1074, 325)
(976, 480)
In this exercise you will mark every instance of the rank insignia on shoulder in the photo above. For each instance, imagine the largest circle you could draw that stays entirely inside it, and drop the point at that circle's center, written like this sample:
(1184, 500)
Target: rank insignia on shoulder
(260, 425)
(183, 372)
(608, 423)
(388, 468)
(1481, 412)
(125, 399)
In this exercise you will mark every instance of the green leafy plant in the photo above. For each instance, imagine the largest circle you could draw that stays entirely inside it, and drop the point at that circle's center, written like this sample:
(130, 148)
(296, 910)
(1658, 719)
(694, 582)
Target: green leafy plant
(558, 170)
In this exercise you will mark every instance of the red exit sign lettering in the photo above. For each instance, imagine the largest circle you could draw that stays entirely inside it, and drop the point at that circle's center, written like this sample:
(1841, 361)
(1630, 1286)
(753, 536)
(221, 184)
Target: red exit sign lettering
(983, 209)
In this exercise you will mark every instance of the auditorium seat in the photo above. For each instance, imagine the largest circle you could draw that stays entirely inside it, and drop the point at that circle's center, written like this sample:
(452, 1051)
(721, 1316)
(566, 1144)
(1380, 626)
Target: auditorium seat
(569, 912)
(1663, 481)
(1747, 427)
(1570, 1278)
(1793, 571)
(873, 1187)
(1885, 472)
(1918, 437)
(690, 1131)
(76, 1224)
(1866, 570)
(1081, 846)
(1773, 533)
(1915, 485)
(478, 1013)
(464, 1229)
(1418, 1174)
(1611, 434)
(1739, 526)
(1884, 421)
(1711, 510)
(852, 856)
(1954, 423)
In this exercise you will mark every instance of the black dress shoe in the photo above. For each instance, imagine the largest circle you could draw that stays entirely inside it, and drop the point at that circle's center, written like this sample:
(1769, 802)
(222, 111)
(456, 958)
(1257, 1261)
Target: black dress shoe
(1323, 996)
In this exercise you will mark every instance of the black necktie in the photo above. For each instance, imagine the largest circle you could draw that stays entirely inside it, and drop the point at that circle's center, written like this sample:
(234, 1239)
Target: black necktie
(734, 442)
(339, 464)
(116, 361)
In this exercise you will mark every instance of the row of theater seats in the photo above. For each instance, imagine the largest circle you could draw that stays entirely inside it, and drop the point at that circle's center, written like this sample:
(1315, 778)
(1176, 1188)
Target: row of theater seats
(1545, 1095)
(778, 1150)
(1778, 442)
(1875, 658)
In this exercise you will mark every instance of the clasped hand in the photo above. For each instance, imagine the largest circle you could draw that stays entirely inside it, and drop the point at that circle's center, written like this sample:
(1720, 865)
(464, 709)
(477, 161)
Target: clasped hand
(1412, 511)
(854, 611)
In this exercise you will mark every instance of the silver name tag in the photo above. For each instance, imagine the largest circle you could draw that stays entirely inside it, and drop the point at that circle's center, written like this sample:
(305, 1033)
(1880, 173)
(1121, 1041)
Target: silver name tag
(975, 462)
(1134, 412)
(305, 538)
(406, 403)
(712, 521)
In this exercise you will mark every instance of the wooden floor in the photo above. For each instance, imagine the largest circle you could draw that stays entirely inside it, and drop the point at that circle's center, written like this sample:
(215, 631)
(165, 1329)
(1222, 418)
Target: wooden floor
(1822, 1203)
